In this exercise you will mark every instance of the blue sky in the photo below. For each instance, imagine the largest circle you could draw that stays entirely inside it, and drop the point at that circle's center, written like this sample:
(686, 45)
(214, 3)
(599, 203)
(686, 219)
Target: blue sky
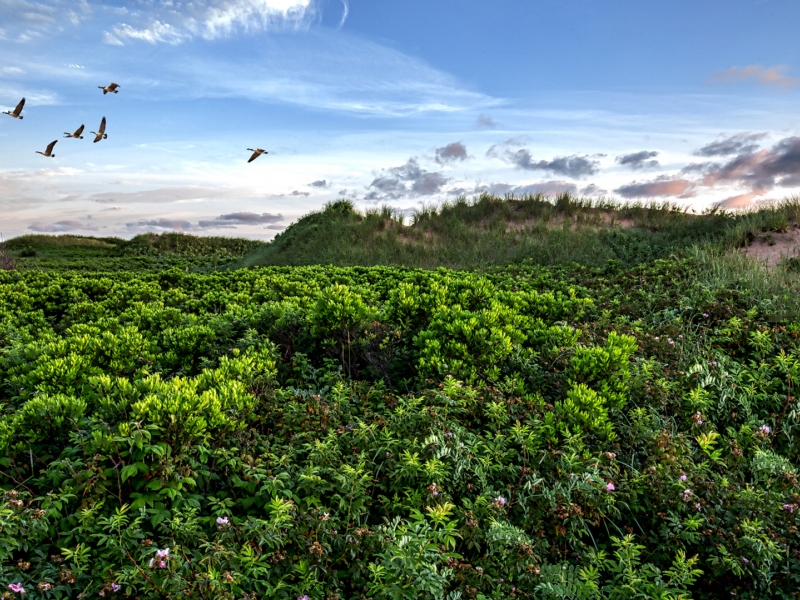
(395, 103)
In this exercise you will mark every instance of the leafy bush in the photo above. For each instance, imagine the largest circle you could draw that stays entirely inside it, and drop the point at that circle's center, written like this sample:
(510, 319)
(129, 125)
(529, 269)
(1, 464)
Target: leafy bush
(395, 433)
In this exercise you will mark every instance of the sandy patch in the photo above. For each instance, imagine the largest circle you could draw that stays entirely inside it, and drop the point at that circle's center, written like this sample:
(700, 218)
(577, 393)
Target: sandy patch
(773, 247)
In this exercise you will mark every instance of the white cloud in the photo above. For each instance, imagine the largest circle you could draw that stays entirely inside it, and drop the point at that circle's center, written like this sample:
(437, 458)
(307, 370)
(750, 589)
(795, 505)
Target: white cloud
(325, 70)
(222, 18)
(167, 195)
(179, 21)
(154, 33)
(10, 71)
(43, 14)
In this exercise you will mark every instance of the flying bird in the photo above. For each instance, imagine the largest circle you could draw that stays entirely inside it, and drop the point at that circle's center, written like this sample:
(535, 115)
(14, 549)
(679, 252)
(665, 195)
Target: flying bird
(100, 134)
(49, 151)
(77, 133)
(16, 111)
(256, 153)
(109, 88)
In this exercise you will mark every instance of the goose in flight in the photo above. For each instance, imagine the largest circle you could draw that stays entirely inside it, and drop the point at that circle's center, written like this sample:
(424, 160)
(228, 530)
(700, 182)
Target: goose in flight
(100, 134)
(109, 88)
(15, 113)
(77, 133)
(256, 153)
(49, 151)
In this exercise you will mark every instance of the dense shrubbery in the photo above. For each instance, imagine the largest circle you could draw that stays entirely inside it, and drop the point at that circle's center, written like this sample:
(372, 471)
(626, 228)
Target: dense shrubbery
(145, 252)
(391, 433)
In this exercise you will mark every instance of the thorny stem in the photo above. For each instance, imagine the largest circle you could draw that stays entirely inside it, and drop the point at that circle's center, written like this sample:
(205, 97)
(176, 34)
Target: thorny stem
(150, 581)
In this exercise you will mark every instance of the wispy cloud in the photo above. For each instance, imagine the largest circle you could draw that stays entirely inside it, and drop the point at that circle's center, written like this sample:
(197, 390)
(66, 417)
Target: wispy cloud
(232, 220)
(734, 144)
(42, 15)
(486, 122)
(771, 76)
(182, 20)
(343, 73)
(10, 71)
(170, 194)
(739, 201)
(226, 221)
(160, 225)
(659, 188)
(155, 32)
(548, 188)
(61, 226)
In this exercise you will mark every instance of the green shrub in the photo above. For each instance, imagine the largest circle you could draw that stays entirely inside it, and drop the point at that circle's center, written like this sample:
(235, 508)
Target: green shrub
(384, 432)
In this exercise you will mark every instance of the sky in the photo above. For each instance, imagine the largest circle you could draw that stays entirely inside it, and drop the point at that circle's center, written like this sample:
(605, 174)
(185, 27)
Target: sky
(387, 103)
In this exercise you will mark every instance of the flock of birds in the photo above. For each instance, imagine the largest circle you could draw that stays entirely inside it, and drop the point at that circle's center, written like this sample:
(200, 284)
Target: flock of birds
(100, 134)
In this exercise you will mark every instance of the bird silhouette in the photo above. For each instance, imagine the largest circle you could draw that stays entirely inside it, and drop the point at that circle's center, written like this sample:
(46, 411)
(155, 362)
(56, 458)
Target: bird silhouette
(100, 134)
(109, 88)
(49, 151)
(256, 153)
(77, 133)
(15, 113)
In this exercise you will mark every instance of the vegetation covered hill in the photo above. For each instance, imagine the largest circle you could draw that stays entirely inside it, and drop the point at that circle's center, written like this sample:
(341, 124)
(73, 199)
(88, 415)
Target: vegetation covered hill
(496, 231)
(598, 431)
(143, 252)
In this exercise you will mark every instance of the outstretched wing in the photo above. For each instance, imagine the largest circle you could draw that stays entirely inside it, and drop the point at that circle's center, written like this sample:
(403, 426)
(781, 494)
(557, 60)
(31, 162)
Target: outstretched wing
(113, 86)
(102, 129)
(256, 154)
(50, 146)
(78, 131)
(19, 107)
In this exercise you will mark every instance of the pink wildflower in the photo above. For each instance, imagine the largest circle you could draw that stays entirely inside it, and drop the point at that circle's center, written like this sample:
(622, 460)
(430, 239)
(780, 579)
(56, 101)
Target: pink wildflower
(115, 587)
(500, 500)
(683, 477)
(16, 588)
(610, 487)
(222, 520)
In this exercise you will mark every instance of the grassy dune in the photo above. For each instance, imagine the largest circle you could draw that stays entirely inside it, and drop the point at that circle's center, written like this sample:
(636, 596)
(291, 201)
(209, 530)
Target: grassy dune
(494, 231)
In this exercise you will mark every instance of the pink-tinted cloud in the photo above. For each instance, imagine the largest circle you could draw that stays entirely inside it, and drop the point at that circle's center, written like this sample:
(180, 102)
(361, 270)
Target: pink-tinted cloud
(60, 227)
(740, 201)
(773, 76)
(660, 188)
(762, 170)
